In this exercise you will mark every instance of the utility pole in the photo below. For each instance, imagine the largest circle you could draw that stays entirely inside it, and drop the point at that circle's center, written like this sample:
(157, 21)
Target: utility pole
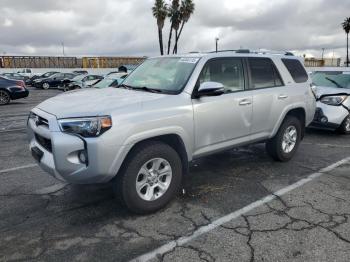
(322, 53)
(216, 44)
(63, 48)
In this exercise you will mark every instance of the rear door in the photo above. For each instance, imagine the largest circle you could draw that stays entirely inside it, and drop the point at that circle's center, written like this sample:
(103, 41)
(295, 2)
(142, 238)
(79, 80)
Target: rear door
(221, 121)
(269, 96)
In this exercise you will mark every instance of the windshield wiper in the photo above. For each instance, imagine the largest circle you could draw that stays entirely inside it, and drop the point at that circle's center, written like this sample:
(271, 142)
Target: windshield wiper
(141, 88)
(334, 82)
(148, 89)
(125, 86)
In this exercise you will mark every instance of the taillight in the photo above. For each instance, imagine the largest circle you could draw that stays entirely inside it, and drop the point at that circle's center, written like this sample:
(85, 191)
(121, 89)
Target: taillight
(21, 84)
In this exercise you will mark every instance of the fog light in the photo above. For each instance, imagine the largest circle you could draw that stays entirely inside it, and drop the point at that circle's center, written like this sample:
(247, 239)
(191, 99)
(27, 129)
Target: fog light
(324, 120)
(83, 157)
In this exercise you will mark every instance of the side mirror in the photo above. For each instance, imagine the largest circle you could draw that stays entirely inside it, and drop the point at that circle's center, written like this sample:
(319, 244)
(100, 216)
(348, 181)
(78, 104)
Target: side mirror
(210, 89)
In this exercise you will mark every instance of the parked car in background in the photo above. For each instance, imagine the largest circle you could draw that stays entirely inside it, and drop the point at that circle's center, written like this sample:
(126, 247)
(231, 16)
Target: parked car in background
(15, 76)
(81, 81)
(55, 80)
(11, 90)
(169, 111)
(26, 72)
(30, 81)
(333, 100)
(80, 72)
(112, 80)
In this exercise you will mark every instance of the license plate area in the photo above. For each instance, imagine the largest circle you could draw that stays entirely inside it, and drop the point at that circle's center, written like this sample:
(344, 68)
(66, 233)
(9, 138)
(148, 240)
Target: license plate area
(37, 153)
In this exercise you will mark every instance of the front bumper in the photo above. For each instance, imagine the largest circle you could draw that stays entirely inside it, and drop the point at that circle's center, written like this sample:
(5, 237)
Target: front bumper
(60, 152)
(329, 117)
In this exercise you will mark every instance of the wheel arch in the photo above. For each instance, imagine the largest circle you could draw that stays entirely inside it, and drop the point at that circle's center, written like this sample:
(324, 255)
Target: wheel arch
(298, 112)
(173, 140)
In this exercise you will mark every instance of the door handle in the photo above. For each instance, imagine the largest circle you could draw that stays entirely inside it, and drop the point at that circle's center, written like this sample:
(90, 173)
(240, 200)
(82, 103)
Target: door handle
(245, 102)
(282, 96)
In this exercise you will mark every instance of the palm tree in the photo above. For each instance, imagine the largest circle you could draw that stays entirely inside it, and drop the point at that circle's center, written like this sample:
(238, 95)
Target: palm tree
(160, 12)
(186, 10)
(346, 27)
(174, 15)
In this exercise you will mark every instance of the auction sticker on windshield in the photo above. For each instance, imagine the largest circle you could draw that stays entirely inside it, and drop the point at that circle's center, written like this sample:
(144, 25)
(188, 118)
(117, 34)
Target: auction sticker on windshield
(190, 60)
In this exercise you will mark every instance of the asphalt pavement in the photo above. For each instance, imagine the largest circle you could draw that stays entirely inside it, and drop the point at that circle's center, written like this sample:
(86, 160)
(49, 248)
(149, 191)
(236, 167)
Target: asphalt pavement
(238, 205)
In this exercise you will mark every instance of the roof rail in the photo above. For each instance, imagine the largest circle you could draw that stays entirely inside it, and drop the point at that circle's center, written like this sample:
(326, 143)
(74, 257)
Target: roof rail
(247, 51)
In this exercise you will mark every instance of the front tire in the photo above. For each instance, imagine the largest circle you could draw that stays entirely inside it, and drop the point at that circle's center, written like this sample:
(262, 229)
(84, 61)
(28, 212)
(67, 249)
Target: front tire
(150, 177)
(4, 97)
(285, 143)
(46, 86)
(345, 126)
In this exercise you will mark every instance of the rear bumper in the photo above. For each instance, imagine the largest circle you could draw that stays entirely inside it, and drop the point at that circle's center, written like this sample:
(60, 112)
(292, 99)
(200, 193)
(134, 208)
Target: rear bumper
(19, 94)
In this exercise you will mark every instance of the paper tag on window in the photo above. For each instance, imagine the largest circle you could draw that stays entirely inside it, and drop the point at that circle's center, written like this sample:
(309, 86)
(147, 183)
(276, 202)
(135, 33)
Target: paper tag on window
(346, 72)
(190, 60)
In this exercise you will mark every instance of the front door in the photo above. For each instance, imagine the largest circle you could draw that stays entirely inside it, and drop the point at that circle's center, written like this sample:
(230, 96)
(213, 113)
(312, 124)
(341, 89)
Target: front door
(221, 121)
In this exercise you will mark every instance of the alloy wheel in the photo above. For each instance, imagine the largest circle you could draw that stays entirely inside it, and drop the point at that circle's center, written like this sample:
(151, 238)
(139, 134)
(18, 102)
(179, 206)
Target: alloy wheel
(46, 86)
(289, 140)
(4, 97)
(347, 124)
(153, 179)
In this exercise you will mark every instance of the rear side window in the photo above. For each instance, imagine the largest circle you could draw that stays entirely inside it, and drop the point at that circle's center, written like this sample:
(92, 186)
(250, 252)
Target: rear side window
(296, 70)
(263, 73)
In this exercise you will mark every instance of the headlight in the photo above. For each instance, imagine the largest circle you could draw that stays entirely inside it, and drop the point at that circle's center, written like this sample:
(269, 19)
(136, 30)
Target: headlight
(333, 100)
(86, 127)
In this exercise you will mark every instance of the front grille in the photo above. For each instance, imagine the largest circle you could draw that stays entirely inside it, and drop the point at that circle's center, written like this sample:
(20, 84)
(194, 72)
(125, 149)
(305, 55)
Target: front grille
(44, 142)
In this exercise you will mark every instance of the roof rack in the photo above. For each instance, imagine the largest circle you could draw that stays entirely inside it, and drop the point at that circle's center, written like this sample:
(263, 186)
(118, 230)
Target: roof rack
(247, 51)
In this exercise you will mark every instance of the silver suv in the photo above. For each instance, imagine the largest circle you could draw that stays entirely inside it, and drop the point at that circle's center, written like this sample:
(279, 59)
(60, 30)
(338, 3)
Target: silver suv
(169, 111)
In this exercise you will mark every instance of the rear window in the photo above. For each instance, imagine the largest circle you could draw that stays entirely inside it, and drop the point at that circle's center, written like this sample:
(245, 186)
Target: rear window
(264, 73)
(296, 70)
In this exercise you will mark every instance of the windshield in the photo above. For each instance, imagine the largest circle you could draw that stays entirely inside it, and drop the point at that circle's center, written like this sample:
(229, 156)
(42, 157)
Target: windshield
(106, 83)
(332, 79)
(166, 74)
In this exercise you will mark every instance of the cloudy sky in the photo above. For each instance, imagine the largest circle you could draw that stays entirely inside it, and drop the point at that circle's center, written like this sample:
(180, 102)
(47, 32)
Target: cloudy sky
(126, 27)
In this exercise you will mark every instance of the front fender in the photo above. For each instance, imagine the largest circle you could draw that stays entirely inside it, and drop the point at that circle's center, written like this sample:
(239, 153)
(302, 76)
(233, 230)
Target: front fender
(132, 140)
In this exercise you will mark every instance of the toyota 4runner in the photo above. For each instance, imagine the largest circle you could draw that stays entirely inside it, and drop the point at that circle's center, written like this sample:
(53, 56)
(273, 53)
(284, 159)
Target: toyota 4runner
(170, 110)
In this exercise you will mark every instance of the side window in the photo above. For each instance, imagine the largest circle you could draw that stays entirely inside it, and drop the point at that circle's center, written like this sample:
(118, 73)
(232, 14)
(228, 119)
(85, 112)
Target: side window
(69, 76)
(59, 76)
(227, 71)
(263, 73)
(296, 70)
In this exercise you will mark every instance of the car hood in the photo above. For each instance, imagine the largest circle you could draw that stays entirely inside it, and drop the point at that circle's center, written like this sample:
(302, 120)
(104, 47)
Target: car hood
(95, 102)
(325, 90)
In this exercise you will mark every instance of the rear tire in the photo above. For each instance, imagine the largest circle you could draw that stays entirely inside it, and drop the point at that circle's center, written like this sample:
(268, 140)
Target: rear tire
(4, 97)
(149, 178)
(285, 143)
(345, 126)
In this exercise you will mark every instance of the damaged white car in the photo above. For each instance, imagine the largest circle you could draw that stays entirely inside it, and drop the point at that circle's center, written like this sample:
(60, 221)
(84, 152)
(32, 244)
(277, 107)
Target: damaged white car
(333, 100)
